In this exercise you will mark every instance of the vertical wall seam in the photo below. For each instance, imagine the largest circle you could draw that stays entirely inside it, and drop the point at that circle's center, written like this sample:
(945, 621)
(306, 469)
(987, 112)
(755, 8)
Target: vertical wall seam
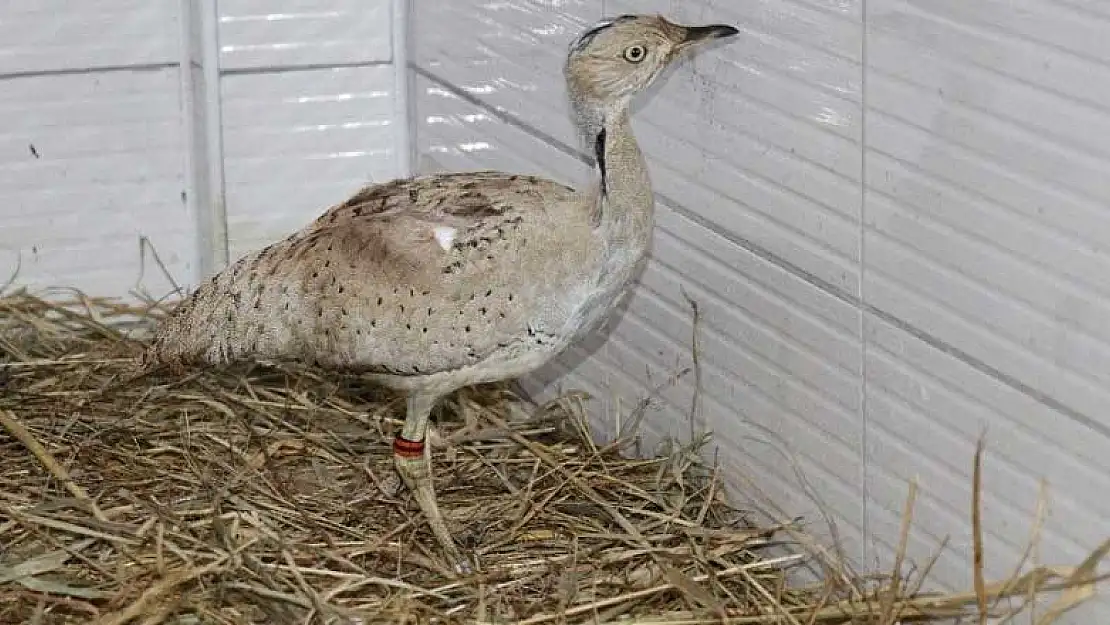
(865, 461)
(193, 182)
(403, 106)
(217, 255)
(203, 129)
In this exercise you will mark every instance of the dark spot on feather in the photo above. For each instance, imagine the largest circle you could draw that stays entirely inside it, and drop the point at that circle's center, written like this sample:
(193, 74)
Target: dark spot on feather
(379, 301)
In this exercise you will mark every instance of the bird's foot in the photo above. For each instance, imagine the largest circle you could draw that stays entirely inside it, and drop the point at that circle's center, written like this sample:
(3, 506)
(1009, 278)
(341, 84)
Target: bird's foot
(414, 468)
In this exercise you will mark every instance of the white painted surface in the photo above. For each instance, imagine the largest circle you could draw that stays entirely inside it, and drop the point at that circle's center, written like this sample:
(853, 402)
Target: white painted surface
(52, 35)
(297, 142)
(268, 34)
(91, 147)
(202, 121)
(308, 103)
(894, 240)
(985, 230)
(201, 125)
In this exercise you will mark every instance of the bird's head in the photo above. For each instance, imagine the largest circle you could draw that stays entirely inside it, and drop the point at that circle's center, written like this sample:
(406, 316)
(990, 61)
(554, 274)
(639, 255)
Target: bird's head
(617, 58)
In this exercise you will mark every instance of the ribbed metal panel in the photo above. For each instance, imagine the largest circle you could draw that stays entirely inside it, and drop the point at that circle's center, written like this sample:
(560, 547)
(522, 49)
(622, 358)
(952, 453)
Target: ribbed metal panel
(893, 221)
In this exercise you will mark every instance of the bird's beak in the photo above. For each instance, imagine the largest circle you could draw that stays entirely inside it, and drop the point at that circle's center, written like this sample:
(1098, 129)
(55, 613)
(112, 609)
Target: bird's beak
(701, 34)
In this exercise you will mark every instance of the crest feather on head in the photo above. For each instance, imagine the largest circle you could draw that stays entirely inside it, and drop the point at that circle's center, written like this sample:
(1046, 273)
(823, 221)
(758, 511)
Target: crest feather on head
(585, 38)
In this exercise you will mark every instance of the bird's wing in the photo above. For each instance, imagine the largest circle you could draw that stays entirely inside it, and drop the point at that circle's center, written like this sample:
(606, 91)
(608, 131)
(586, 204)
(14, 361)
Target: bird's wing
(446, 197)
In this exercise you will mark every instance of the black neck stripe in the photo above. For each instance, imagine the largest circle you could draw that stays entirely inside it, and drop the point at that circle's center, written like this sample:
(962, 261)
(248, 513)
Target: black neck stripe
(599, 151)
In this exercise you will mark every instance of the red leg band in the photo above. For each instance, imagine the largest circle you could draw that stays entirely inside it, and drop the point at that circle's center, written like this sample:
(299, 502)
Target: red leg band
(408, 449)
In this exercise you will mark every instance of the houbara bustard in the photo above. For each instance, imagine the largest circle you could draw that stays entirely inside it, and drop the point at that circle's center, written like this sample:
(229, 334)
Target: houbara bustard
(432, 283)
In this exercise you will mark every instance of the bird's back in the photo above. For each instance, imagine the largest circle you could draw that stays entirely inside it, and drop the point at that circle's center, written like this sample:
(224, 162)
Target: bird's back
(406, 279)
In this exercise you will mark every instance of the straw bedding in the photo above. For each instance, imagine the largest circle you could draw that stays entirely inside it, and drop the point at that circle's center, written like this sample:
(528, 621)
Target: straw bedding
(260, 495)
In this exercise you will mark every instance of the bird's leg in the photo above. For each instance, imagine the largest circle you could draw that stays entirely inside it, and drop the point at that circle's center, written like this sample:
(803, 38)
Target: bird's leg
(414, 463)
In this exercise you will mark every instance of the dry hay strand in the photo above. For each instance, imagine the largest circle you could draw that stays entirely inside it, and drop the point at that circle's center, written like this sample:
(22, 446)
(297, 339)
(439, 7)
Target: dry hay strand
(254, 495)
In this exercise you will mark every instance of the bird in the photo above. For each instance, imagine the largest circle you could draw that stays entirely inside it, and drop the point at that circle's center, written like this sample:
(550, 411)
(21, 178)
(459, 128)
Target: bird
(434, 282)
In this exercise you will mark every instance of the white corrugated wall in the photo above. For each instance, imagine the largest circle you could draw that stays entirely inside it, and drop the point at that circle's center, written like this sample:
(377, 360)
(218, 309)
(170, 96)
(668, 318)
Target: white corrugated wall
(91, 147)
(202, 126)
(895, 218)
(308, 108)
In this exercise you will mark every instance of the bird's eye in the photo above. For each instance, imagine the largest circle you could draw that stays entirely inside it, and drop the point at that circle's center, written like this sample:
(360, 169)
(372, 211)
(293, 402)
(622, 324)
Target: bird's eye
(635, 54)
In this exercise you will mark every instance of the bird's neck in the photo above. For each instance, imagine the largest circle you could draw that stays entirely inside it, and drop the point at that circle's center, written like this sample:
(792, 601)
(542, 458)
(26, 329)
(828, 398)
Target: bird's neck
(625, 198)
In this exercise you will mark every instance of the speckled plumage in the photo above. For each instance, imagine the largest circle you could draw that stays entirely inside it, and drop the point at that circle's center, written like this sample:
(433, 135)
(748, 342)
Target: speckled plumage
(437, 282)
(366, 286)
